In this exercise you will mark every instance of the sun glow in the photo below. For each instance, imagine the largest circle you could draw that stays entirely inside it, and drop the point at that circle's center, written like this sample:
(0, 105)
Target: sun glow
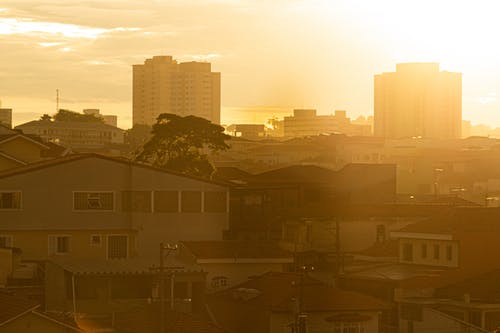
(456, 33)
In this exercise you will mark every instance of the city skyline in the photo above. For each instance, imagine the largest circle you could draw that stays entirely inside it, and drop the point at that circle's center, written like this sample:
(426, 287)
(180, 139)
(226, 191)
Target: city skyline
(87, 50)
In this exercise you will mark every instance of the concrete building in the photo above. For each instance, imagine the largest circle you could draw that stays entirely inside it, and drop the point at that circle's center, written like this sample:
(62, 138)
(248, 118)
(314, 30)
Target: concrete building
(75, 134)
(247, 131)
(162, 85)
(305, 122)
(109, 119)
(418, 100)
(88, 206)
(6, 117)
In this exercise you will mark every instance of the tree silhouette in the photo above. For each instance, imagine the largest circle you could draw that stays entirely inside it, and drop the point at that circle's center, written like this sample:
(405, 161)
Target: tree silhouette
(179, 143)
(46, 117)
(68, 115)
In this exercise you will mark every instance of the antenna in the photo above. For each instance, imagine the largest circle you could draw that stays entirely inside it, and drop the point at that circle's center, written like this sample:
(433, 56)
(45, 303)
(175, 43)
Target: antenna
(57, 100)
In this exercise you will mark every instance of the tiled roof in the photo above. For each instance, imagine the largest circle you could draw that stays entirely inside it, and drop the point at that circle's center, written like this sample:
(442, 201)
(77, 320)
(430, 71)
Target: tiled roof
(32, 138)
(12, 158)
(277, 291)
(12, 307)
(67, 124)
(410, 276)
(230, 174)
(296, 173)
(483, 286)
(75, 157)
(235, 249)
(389, 248)
(146, 320)
(121, 266)
(459, 220)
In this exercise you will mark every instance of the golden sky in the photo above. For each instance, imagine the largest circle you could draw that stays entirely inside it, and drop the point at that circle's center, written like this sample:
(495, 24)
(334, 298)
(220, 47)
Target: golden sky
(274, 55)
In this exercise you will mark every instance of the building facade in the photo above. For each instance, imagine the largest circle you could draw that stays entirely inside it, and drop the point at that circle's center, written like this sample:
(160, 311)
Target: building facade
(162, 85)
(305, 122)
(75, 134)
(418, 100)
(96, 207)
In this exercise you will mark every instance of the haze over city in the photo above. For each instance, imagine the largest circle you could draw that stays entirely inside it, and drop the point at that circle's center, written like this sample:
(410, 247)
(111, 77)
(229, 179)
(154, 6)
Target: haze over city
(249, 166)
(273, 56)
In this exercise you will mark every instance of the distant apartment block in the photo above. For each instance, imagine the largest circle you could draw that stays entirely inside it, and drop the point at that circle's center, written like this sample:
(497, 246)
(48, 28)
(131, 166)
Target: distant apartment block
(109, 119)
(162, 85)
(305, 122)
(418, 100)
(75, 134)
(6, 117)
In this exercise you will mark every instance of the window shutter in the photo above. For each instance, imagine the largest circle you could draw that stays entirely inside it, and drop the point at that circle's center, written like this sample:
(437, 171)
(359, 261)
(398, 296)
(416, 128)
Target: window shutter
(52, 245)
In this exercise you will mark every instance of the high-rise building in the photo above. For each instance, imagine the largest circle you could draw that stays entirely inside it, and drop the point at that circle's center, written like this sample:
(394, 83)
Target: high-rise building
(418, 100)
(162, 85)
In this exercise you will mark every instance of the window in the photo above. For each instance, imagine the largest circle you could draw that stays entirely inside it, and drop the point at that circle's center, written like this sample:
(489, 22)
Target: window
(117, 247)
(191, 201)
(93, 200)
(407, 252)
(166, 201)
(95, 240)
(59, 244)
(436, 251)
(10, 200)
(219, 282)
(424, 251)
(136, 201)
(5, 241)
(348, 327)
(449, 252)
(215, 202)
(252, 200)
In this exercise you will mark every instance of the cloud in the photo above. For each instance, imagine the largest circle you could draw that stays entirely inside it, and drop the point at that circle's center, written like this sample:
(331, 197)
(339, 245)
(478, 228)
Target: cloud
(26, 26)
(49, 44)
(201, 57)
(490, 98)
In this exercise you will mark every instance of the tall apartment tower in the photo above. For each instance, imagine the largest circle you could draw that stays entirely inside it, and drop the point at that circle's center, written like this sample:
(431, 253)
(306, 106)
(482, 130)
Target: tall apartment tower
(418, 100)
(161, 85)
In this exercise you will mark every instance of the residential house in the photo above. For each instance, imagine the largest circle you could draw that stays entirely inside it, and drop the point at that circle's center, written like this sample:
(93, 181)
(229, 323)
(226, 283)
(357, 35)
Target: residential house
(263, 205)
(92, 206)
(434, 257)
(228, 263)
(22, 315)
(17, 149)
(99, 287)
(283, 302)
(77, 135)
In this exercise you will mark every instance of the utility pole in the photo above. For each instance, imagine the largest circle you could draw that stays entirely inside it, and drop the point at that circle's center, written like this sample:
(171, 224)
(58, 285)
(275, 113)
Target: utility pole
(168, 248)
(57, 101)
(300, 324)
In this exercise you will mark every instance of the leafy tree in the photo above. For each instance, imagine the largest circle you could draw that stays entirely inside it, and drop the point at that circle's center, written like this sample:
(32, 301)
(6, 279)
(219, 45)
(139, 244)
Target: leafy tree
(46, 117)
(68, 115)
(179, 143)
(136, 136)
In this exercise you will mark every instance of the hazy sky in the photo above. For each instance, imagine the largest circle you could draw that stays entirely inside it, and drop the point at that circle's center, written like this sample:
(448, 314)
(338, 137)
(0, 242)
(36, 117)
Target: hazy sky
(273, 55)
